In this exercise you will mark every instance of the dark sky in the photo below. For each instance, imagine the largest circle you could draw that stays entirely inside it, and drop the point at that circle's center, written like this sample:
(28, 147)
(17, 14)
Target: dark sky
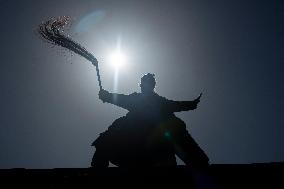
(232, 51)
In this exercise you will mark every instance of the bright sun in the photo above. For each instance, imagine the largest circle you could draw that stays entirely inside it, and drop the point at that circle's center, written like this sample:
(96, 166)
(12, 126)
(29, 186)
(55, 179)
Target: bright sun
(117, 59)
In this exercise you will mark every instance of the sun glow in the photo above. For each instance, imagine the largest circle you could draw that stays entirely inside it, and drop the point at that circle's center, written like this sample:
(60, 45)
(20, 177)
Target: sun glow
(117, 59)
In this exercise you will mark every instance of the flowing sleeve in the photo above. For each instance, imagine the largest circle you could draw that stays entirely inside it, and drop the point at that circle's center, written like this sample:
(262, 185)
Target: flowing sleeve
(178, 106)
(121, 100)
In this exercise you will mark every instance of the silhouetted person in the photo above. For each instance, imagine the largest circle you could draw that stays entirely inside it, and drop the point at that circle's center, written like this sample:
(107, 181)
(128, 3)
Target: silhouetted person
(150, 134)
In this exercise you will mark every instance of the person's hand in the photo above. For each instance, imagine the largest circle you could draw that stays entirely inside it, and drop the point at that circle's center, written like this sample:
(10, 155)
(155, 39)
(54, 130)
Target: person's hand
(103, 94)
(197, 100)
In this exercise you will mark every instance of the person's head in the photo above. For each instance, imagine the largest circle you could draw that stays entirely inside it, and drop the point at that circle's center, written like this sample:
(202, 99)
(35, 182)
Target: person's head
(148, 83)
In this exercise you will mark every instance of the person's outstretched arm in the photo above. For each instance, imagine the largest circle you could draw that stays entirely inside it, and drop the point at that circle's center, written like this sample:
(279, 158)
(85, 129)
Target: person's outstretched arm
(120, 100)
(178, 106)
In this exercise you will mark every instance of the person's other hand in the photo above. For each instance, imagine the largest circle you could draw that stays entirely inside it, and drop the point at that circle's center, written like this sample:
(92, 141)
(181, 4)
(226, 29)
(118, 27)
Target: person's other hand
(197, 100)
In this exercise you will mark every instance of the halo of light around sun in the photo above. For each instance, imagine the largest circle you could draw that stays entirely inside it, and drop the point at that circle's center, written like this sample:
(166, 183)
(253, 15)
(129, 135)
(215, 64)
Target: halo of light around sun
(117, 59)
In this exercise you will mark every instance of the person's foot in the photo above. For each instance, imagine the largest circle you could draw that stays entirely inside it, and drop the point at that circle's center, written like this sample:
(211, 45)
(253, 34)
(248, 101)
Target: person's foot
(101, 164)
(99, 161)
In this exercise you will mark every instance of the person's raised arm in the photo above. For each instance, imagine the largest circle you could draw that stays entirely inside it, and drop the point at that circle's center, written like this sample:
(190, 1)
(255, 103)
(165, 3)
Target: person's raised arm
(178, 106)
(120, 100)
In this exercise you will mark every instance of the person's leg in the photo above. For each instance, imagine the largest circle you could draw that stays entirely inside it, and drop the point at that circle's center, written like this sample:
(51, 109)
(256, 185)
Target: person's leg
(99, 159)
(185, 146)
(189, 151)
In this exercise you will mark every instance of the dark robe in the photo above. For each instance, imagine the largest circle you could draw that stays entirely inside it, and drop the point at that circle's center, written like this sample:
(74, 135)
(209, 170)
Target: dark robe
(149, 135)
